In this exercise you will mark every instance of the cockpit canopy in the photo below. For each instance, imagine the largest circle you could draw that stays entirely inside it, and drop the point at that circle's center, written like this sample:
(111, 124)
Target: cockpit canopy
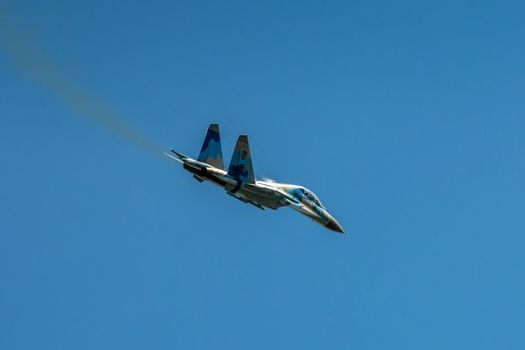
(302, 191)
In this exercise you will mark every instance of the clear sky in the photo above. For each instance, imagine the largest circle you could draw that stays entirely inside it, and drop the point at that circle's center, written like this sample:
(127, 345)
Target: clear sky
(406, 118)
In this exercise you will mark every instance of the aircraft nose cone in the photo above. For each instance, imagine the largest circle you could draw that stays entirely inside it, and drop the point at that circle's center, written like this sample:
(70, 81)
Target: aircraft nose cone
(334, 226)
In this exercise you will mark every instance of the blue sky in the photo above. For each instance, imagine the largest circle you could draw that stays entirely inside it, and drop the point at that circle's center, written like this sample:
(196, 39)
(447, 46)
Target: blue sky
(406, 118)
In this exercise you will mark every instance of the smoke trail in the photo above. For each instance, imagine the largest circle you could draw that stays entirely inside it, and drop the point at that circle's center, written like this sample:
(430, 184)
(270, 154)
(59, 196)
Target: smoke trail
(29, 58)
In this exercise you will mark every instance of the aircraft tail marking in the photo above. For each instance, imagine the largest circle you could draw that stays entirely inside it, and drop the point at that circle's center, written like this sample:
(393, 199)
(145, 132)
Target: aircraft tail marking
(211, 151)
(241, 168)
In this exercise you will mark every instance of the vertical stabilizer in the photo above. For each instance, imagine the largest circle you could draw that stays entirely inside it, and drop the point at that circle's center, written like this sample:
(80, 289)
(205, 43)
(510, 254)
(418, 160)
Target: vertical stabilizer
(211, 151)
(241, 168)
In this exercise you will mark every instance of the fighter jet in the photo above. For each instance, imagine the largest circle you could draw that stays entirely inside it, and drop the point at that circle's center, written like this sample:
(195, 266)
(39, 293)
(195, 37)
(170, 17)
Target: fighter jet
(240, 183)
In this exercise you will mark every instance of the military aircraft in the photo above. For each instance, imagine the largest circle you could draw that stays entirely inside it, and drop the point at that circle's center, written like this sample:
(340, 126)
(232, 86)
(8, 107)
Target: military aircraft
(239, 181)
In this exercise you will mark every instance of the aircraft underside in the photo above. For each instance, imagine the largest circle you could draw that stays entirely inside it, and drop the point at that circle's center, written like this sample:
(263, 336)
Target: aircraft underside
(249, 193)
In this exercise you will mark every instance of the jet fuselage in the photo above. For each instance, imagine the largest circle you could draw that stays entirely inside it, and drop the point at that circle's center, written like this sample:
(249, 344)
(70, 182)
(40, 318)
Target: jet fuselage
(240, 183)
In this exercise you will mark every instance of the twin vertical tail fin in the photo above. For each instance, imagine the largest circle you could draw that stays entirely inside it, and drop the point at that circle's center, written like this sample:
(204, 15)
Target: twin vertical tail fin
(241, 168)
(211, 151)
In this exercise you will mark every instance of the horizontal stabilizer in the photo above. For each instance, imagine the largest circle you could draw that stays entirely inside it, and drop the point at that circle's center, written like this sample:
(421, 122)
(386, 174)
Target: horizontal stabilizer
(176, 155)
(198, 178)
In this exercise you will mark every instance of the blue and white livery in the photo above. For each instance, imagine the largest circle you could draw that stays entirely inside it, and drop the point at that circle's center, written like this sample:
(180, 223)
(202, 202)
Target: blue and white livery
(239, 180)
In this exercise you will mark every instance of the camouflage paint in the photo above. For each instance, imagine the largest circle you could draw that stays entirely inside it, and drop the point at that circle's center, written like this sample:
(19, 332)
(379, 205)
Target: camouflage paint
(240, 183)
(211, 151)
(308, 205)
(241, 169)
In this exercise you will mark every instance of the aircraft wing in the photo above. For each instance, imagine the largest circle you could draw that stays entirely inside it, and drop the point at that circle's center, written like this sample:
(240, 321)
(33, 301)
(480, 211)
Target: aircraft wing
(273, 192)
(268, 196)
(245, 199)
